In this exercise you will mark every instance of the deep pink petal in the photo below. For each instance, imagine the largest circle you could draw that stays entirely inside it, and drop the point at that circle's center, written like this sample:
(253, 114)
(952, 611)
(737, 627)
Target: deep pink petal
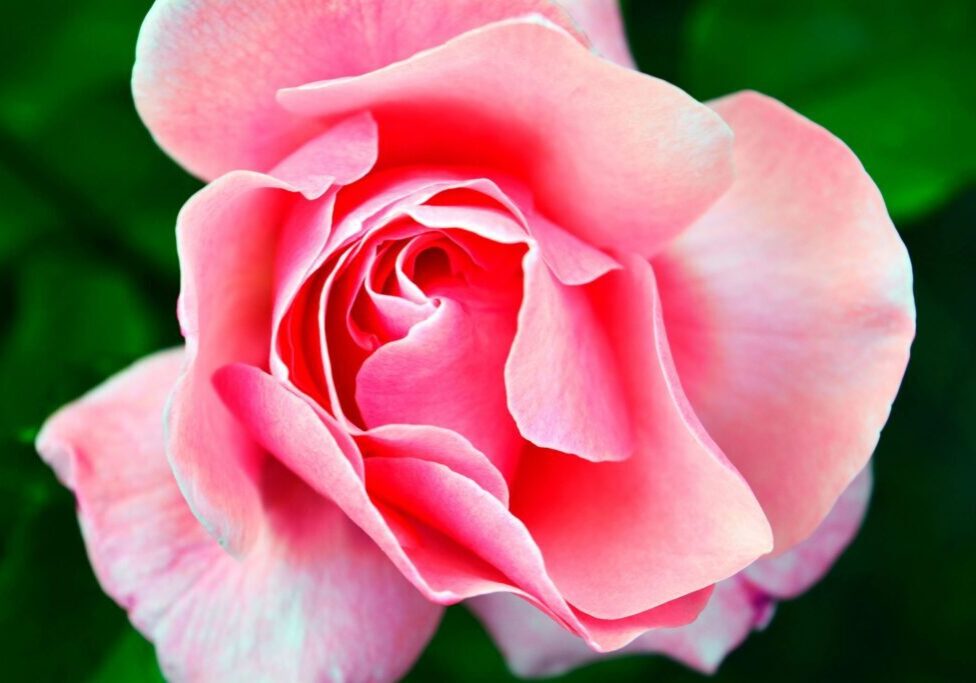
(342, 155)
(789, 309)
(434, 497)
(618, 158)
(235, 252)
(447, 372)
(207, 71)
(434, 444)
(312, 446)
(675, 516)
(315, 600)
(447, 534)
(562, 380)
(603, 25)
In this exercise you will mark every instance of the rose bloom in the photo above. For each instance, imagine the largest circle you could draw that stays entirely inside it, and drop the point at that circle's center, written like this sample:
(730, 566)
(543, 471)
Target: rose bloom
(474, 313)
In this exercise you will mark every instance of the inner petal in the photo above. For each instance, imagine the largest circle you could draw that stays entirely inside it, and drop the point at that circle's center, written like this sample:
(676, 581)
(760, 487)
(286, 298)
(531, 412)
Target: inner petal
(448, 370)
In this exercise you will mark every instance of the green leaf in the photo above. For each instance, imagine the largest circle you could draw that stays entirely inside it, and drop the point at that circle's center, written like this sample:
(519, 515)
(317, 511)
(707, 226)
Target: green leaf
(893, 79)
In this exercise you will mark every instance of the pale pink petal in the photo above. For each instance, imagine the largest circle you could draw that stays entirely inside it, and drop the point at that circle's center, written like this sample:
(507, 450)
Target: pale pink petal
(736, 609)
(571, 260)
(562, 378)
(790, 313)
(447, 534)
(535, 646)
(603, 25)
(615, 157)
(342, 154)
(207, 71)
(315, 600)
(675, 516)
(224, 235)
(796, 570)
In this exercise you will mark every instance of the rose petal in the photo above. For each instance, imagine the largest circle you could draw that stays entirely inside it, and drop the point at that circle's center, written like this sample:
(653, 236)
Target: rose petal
(675, 516)
(603, 25)
(207, 71)
(615, 157)
(795, 571)
(425, 442)
(433, 557)
(315, 600)
(344, 154)
(447, 372)
(229, 236)
(438, 499)
(789, 308)
(224, 235)
(562, 378)
(535, 646)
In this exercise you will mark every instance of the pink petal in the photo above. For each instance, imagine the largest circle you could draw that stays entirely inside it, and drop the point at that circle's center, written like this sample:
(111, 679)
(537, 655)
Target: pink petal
(315, 600)
(562, 378)
(535, 646)
(207, 71)
(431, 496)
(425, 442)
(230, 236)
(571, 260)
(344, 154)
(674, 517)
(603, 25)
(798, 569)
(789, 308)
(447, 372)
(447, 534)
(224, 234)
(618, 158)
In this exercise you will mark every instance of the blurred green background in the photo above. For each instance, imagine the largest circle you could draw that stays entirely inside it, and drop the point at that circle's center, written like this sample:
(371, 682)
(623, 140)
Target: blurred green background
(88, 281)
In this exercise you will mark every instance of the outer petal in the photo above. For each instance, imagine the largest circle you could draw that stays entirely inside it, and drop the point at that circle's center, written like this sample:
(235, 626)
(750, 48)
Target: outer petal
(316, 600)
(207, 71)
(535, 646)
(672, 518)
(615, 157)
(228, 236)
(603, 25)
(789, 308)
(224, 235)
(797, 570)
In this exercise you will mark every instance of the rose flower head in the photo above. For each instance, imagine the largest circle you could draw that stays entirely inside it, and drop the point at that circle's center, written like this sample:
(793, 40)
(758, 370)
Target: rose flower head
(474, 311)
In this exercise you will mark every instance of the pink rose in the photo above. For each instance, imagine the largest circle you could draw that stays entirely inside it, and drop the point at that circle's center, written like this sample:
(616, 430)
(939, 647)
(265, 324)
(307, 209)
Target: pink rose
(474, 313)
